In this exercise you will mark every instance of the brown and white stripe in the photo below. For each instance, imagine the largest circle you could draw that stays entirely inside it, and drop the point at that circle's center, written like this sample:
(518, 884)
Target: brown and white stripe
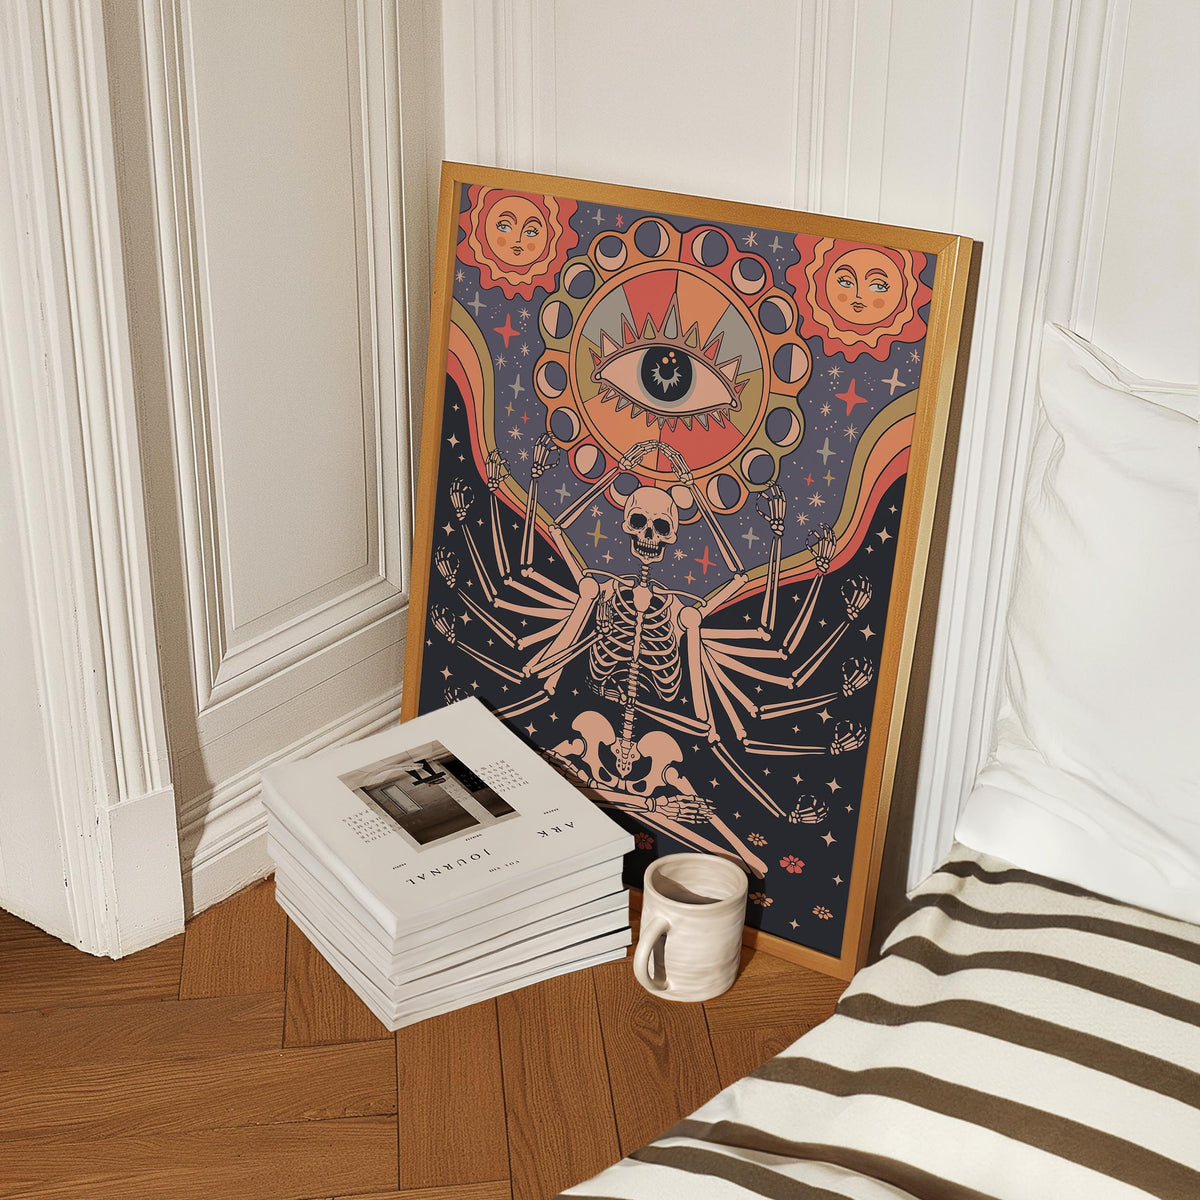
(1019, 1039)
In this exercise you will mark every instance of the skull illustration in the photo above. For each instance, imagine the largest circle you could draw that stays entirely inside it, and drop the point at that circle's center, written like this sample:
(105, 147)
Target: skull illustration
(652, 522)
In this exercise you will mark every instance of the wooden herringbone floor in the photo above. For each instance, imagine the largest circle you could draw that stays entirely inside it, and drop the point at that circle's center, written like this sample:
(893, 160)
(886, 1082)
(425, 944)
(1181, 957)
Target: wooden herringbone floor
(232, 1062)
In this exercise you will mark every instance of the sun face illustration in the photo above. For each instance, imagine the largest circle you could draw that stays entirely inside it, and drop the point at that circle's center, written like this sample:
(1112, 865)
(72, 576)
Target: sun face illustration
(517, 240)
(859, 299)
(677, 337)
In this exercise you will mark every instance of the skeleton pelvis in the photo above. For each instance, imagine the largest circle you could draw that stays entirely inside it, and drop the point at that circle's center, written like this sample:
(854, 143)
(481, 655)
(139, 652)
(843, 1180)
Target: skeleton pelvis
(615, 762)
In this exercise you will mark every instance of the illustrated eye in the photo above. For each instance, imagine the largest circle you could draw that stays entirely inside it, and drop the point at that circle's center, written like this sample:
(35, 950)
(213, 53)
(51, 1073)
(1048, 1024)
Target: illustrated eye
(532, 231)
(503, 225)
(670, 380)
(845, 281)
(880, 286)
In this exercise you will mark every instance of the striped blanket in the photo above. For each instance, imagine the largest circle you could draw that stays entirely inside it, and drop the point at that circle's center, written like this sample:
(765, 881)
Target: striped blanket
(1020, 1039)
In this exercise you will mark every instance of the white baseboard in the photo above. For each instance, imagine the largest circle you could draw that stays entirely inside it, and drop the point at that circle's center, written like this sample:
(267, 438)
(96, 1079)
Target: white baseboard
(224, 847)
(145, 897)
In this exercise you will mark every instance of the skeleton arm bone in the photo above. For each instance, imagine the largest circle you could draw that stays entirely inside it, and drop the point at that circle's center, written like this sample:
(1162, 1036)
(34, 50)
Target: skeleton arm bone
(775, 512)
(543, 450)
(589, 589)
(495, 468)
(630, 459)
(460, 499)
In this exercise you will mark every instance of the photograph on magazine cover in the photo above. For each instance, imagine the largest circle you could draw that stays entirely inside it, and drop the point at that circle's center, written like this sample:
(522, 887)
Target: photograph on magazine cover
(429, 794)
(679, 468)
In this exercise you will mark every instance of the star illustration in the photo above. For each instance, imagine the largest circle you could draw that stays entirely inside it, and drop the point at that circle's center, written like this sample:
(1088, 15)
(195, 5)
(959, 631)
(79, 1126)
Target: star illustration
(894, 382)
(883, 535)
(828, 839)
(751, 239)
(824, 715)
(825, 452)
(834, 786)
(867, 632)
(850, 395)
(507, 332)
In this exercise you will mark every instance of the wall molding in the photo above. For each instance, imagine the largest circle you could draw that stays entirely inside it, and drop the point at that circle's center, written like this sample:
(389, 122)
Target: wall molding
(1054, 73)
(81, 483)
(225, 843)
(228, 662)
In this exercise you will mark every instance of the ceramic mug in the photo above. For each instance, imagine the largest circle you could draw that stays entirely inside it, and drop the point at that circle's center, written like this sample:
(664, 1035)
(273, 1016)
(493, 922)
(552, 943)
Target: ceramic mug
(693, 910)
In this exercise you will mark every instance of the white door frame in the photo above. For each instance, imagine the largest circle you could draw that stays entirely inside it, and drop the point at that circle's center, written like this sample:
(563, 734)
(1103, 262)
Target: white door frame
(73, 426)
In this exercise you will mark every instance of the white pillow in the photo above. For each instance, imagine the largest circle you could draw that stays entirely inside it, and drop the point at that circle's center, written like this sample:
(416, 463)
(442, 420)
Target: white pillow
(1095, 777)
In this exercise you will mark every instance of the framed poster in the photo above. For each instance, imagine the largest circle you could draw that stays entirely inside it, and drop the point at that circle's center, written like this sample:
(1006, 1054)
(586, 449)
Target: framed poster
(678, 473)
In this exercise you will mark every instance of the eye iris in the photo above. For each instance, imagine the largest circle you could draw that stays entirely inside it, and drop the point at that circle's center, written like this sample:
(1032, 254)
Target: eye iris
(666, 373)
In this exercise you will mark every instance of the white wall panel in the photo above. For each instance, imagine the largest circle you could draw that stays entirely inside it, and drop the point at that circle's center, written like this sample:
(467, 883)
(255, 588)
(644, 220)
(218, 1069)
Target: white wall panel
(1144, 254)
(273, 376)
(279, 206)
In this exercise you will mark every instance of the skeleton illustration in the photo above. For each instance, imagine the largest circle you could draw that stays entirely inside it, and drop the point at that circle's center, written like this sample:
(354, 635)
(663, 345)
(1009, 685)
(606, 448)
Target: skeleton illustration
(650, 650)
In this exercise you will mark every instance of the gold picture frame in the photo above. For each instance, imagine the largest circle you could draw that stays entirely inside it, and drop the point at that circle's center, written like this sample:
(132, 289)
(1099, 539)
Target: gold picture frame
(674, 513)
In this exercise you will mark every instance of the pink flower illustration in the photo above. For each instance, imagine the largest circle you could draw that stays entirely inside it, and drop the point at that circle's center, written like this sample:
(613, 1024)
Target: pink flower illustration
(761, 898)
(756, 839)
(792, 864)
(643, 841)
(822, 912)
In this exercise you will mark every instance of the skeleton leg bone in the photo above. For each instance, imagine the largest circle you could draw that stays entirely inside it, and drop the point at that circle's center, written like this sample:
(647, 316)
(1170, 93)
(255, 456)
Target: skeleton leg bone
(753, 788)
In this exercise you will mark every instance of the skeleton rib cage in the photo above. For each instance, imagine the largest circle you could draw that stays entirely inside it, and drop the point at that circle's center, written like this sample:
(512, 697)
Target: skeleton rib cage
(648, 647)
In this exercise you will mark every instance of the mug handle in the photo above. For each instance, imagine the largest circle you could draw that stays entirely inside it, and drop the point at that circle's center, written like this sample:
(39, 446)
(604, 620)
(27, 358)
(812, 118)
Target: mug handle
(647, 940)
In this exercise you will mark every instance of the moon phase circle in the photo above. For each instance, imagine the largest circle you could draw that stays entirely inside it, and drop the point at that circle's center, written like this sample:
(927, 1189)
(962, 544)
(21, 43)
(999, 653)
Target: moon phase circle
(552, 379)
(775, 315)
(651, 238)
(791, 362)
(725, 491)
(580, 280)
(758, 467)
(610, 252)
(783, 427)
(557, 319)
(749, 276)
(564, 424)
(588, 460)
(710, 248)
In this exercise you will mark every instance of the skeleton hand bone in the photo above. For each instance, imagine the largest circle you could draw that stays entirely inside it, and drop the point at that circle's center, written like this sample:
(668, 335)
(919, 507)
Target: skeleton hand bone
(809, 810)
(634, 455)
(460, 498)
(776, 508)
(543, 448)
(847, 736)
(443, 622)
(495, 465)
(446, 562)
(678, 464)
(690, 810)
(856, 592)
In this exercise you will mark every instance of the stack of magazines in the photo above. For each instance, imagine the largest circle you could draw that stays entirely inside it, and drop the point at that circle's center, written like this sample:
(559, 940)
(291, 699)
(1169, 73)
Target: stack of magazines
(442, 862)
